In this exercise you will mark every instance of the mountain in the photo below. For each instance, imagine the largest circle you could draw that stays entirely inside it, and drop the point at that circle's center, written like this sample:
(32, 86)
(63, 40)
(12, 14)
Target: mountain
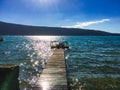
(16, 29)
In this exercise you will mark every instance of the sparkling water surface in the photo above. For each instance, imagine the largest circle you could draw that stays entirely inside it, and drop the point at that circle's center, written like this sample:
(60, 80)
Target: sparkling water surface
(90, 60)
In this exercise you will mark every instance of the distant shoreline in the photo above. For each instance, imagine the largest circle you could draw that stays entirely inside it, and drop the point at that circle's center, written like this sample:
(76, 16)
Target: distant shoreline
(16, 29)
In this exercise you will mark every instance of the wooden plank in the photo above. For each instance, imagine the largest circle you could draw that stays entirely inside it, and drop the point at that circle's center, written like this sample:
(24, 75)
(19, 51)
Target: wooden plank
(53, 76)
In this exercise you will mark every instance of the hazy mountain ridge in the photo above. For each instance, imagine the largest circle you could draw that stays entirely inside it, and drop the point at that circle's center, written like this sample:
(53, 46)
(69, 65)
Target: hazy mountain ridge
(17, 29)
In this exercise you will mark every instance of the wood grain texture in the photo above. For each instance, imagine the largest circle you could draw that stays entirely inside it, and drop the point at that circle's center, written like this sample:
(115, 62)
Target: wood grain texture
(53, 76)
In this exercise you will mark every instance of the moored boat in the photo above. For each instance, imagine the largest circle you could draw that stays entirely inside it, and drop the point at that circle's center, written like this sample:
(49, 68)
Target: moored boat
(1, 39)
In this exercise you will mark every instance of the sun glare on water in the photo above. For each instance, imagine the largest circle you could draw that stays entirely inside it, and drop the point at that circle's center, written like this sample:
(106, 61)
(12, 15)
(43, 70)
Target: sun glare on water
(45, 38)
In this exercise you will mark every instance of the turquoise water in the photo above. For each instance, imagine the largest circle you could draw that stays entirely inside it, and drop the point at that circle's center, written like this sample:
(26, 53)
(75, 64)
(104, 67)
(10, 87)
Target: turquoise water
(93, 61)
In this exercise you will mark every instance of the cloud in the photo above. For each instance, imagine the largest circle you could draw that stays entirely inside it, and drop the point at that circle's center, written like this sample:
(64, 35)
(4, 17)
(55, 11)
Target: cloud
(85, 24)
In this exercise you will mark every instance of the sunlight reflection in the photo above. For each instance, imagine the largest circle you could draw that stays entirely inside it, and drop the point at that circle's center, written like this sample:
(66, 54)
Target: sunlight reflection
(41, 45)
(45, 86)
(39, 50)
(36, 63)
(46, 38)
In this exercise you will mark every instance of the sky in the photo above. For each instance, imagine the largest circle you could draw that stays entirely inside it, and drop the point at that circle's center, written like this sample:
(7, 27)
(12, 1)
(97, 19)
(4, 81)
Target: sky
(87, 14)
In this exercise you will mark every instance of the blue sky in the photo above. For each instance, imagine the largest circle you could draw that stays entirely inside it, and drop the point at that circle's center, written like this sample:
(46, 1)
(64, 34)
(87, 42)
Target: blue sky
(89, 14)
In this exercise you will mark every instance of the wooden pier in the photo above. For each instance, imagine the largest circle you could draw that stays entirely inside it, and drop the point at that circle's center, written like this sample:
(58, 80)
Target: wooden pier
(53, 76)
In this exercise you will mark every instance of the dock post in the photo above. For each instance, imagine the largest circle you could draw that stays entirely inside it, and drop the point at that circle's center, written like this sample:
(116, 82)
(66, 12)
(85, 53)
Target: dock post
(9, 74)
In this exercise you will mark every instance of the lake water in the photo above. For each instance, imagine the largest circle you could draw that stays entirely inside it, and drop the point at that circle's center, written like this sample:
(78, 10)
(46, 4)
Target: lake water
(93, 61)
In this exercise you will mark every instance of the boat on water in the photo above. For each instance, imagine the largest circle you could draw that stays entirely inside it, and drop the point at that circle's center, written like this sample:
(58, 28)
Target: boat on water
(59, 45)
(1, 39)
